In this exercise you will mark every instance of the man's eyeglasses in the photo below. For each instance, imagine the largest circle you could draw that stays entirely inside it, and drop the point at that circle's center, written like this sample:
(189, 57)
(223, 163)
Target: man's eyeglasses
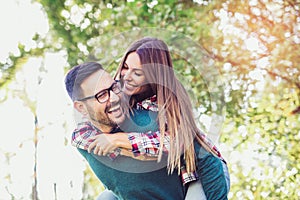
(103, 95)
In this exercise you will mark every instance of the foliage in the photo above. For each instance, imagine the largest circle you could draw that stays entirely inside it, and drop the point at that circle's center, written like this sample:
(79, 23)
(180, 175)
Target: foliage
(91, 187)
(254, 45)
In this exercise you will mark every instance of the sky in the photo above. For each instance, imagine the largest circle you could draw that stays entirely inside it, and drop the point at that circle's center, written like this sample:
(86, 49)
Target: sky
(57, 163)
(21, 20)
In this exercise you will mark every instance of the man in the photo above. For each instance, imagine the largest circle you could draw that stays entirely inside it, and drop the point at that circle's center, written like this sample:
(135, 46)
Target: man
(128, 178)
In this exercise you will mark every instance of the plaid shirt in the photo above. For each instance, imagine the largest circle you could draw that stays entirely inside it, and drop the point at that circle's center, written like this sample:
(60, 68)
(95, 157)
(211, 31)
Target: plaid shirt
(148, 104)
(148, 143)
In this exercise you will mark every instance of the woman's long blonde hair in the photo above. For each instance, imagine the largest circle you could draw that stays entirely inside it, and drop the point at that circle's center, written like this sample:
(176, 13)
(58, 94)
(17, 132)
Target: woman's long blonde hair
(175, 113)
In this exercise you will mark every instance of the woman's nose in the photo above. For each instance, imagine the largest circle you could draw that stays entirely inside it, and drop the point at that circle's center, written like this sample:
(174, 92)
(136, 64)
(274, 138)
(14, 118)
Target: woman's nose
(127, 76)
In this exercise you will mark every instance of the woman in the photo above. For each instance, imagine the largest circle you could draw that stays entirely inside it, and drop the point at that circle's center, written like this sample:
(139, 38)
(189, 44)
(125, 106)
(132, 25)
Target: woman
(146, 72)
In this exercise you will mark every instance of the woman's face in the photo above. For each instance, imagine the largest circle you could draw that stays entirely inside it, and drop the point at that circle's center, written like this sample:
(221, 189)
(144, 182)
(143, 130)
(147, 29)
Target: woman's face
(133, 75)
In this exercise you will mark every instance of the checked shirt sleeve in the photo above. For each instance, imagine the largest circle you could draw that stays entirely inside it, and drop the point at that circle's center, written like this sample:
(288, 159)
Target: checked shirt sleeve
(81, 135)
(81, 138)
(148, 143)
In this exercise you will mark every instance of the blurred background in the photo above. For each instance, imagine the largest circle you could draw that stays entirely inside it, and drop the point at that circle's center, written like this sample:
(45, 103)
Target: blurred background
(250, 107)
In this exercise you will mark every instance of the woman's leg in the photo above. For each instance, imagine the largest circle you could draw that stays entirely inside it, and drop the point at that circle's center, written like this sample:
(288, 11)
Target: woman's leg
(227, 177)
(195, 191)
(107, 195)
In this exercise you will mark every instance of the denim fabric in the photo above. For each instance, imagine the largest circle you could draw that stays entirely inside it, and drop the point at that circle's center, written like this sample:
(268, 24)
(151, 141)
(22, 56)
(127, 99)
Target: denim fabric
(107, 195)
(227, 177)
(195, 191)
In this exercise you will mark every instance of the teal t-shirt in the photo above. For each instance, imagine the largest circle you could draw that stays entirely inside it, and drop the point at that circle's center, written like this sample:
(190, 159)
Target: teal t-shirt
(132, 179)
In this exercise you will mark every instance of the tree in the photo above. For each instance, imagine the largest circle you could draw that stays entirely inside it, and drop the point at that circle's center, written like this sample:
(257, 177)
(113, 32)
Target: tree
(254, 46)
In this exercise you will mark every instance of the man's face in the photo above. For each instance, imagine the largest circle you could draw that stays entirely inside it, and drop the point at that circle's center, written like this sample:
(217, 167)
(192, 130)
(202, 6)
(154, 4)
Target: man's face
(104, 115)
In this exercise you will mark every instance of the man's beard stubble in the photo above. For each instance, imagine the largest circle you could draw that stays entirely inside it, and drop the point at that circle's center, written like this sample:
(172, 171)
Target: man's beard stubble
(100, 118)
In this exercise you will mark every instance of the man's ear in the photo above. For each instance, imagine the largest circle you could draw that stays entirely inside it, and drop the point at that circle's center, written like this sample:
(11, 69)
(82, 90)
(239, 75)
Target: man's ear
(80, 107)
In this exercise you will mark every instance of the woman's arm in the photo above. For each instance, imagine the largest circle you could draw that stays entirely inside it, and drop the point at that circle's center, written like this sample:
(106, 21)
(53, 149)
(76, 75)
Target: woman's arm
(141, 144)
(148, 143)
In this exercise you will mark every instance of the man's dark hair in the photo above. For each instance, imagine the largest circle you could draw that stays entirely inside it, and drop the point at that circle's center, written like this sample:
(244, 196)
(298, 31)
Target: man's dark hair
(77, 75)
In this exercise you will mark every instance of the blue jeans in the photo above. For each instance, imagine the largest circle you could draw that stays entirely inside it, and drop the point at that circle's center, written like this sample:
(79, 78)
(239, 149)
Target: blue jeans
(227, 177)
(107, 195)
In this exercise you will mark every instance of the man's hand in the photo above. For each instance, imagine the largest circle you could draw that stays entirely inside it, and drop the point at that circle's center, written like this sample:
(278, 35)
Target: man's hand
(107, 143)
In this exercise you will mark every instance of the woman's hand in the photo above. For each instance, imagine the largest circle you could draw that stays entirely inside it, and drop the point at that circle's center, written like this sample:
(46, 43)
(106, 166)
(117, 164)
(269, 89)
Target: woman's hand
(107, 143)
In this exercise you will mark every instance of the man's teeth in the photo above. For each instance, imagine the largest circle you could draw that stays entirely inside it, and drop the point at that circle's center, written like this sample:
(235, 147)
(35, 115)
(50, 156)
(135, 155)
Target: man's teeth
(114, 109)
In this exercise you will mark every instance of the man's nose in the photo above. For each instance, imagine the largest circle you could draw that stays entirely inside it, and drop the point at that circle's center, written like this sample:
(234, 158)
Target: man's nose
(113, 97)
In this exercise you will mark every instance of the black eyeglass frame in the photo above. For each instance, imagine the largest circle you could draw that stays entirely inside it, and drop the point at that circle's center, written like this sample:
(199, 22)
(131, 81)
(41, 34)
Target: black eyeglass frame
(105, 90)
